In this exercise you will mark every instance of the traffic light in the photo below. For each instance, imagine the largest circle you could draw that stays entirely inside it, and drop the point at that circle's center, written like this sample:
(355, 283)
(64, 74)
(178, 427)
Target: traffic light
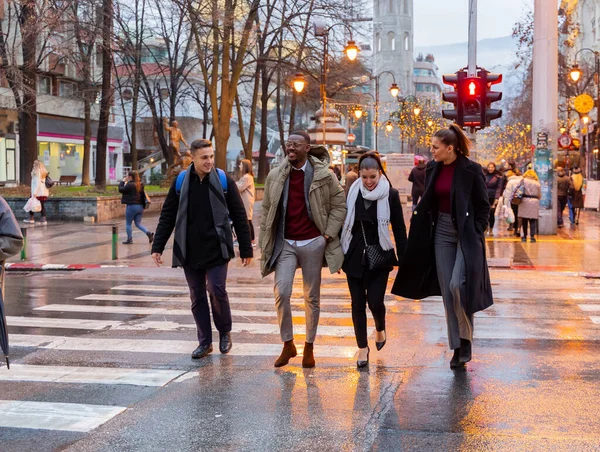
(488, 113)
(454, 97)
(472, 101)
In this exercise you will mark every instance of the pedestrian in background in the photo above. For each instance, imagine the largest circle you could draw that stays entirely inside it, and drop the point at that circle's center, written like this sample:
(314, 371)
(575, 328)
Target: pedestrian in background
(495, 184)
(200, 205)
(351, 177)
(515, 180)
(445, 253)
(529, 209)
(247, 192)
(39, 190)
(372, 206)
(417, 177)
(134, 197)
(576, 195)
(303, 211)
(563, 182)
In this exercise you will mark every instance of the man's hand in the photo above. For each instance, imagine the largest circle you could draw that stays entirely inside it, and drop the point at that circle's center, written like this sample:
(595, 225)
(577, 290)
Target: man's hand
(157, 258)
(246, 261)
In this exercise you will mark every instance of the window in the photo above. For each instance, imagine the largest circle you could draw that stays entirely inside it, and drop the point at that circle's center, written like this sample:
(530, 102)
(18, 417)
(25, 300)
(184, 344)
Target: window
(44, 85)
(391, 41)
(391, 6)
(405, 6)
(406, 42)
(420, 87)
(378, 38)
(67, 89)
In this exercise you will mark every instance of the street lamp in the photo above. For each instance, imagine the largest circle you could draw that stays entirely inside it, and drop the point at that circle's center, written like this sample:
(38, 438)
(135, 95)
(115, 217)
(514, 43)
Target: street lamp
(575, 73)
(389, 126)
(563, 130)
(585, 120)
(417, 110)
(299, 83)
(430, 123)
(351, 50)
(394, 91)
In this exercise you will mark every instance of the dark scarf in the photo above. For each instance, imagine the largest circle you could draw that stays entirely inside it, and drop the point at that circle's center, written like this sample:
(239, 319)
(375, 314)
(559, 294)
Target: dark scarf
(218, 205)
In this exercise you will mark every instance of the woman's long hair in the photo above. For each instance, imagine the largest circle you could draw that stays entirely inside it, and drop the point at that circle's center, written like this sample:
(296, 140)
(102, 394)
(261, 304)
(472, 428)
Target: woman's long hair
(454, 136)
(39, 166)
(135, 176)
(247, 167)
(371, 160)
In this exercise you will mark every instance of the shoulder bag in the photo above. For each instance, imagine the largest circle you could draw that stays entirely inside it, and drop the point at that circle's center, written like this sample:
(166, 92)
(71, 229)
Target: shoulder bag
(376, 257)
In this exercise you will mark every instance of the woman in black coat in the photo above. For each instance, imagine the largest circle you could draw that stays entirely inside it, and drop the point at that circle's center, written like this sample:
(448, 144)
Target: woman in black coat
(372, 206)
(445, 253)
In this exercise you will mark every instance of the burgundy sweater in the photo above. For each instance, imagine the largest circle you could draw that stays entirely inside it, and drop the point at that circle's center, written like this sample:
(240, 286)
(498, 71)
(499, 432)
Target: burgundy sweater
(443, 187)
(297, 224)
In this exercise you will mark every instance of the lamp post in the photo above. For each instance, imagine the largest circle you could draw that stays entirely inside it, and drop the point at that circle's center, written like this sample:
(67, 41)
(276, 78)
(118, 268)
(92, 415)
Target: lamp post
(575, 75)
(416, 112)
(351, 50)
(394, 91)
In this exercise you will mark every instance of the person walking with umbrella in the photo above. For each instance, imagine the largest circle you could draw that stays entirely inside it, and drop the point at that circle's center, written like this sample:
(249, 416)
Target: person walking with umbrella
(445, 253)
(11, 243)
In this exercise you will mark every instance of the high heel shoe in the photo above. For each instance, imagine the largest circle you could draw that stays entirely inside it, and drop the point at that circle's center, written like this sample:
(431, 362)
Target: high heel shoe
(360, 364)
(380, 345)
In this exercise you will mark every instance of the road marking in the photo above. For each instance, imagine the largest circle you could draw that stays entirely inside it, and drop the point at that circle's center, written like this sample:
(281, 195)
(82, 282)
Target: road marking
(90, 375)
(178, 312)
(97, 325)
(589, 307)
(72, 417)
(232, 300)
(595, 319)
(585, 296)
(237, 288)
(163, 346)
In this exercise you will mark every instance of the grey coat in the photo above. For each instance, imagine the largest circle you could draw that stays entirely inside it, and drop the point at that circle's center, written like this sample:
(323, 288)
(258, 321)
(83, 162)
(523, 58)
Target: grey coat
(11, 239)
(530, 205)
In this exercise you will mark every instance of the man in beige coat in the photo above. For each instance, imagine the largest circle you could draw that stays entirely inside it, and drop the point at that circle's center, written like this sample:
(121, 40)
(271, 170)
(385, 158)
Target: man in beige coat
(303, 210)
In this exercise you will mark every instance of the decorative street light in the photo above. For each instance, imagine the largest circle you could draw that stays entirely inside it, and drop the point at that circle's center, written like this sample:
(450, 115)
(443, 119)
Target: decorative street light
(585, 120)
(417, 110)
(430, 123)
(394, 91)
(351, 50)
(575, 73)
(389, 126)
(358, 112)
(299, 83)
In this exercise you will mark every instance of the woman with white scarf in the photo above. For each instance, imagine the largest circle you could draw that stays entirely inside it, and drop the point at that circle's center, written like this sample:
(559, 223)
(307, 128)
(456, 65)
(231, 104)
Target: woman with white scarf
(372, 206)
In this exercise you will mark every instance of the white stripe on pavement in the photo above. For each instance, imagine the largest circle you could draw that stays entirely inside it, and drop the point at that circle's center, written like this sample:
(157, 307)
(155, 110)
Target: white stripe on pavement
(163, 346)
(233, 288)
(589, 307)
(166, 311)
(86, 324)
(72, 417)
(595, 319)
(90, 375)
(585, 296)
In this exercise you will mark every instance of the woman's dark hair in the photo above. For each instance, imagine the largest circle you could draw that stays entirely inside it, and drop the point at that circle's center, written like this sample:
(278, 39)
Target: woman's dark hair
(454, 136)
(247, 167)
(371, 160)
(135, 176)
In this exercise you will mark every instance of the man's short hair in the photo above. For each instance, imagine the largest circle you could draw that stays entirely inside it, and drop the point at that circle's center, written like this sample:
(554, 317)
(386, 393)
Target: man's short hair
(301, 133)
(200, 144)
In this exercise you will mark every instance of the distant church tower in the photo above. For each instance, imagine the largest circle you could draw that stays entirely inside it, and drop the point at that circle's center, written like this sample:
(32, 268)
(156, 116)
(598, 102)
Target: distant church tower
(392, 51)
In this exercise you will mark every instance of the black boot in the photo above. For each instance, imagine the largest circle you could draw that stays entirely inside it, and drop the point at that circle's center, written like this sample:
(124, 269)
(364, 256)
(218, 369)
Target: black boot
(455, 362)
(465, 353)
(150, 236)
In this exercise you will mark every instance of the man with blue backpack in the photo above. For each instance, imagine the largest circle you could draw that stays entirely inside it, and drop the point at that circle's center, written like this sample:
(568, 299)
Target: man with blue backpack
(199, 206)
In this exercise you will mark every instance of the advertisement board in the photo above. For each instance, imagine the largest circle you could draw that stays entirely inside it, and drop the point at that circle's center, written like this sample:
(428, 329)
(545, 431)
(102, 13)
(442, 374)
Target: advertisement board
(398, 169)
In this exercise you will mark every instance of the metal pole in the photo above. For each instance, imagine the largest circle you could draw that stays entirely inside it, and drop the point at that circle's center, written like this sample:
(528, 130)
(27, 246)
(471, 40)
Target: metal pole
(24, 250)
(597, 56)
(115, 241)
(472, 67)
(377, 113)
(324, 87)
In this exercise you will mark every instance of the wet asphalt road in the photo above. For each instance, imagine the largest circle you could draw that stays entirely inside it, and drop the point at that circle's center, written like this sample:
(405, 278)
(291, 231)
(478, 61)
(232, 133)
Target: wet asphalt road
(533, 383)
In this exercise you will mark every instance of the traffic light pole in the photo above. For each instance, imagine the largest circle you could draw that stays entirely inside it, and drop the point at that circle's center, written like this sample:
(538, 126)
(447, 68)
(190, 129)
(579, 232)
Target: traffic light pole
(472, 65)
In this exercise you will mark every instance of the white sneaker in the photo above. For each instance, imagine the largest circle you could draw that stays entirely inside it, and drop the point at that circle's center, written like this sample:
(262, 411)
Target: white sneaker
(29, 221)
(44, 223)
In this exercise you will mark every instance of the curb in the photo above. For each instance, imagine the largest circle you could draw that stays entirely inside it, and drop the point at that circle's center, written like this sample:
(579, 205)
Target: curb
(19, 267)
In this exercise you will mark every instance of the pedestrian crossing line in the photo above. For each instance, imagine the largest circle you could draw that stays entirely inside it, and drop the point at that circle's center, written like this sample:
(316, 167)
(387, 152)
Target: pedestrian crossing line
(163, 346)
(72, 417)
(90, 375)
(585, 296)
(174, 312)
(232, 300)
(97, 325)
(595, 319)
(589, 307)
(254, 288)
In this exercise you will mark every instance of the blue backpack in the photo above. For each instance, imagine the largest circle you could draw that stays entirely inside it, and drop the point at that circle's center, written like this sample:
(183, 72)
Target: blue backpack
(220, 172)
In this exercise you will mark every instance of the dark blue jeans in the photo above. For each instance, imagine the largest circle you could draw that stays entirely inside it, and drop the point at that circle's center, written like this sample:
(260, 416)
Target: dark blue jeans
(133, 213)
(214, 279)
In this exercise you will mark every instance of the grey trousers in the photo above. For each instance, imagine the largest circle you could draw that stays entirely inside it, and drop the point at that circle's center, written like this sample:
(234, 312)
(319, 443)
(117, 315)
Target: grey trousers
(450, 265)
(310, 259)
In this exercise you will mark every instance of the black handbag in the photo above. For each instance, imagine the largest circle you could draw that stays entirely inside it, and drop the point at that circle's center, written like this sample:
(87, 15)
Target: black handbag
(376, 257)
(49, 182)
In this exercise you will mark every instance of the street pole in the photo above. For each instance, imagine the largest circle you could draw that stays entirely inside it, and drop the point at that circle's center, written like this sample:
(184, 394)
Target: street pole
(545, 107)
(324, 86)
(472, 65)
(377, 114)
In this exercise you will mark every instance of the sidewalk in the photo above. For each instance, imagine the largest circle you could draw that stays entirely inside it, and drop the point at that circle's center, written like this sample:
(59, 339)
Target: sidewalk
(81, 244)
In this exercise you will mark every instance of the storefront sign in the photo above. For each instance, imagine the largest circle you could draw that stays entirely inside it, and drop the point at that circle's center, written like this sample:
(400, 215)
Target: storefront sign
(398, 169)
(544, 170)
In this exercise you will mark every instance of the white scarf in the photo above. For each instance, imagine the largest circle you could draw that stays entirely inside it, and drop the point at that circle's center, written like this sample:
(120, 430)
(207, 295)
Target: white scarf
(380, 194)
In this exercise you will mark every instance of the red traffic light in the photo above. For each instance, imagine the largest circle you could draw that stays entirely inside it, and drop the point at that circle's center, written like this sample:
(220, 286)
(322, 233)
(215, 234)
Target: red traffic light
(472, 89)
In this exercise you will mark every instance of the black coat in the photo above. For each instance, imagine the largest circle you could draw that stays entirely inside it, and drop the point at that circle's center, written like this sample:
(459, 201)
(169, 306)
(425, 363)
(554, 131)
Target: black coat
(417, 275)
(417, 177)
(130, 195)
(353, 259)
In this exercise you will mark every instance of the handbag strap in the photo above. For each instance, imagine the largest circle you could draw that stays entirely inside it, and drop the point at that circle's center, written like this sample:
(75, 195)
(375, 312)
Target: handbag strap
(363, 231)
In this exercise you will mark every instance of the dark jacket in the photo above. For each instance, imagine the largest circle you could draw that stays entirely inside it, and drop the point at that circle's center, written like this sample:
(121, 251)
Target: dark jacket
(417, 276)
(130, 195)
(494, 184)
(353, 259)
(11, 238)
(562, 184)
(417, 177)
(237, 212)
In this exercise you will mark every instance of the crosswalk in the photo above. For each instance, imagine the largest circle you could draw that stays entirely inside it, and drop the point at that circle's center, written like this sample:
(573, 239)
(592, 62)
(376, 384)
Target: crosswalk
(139, 331)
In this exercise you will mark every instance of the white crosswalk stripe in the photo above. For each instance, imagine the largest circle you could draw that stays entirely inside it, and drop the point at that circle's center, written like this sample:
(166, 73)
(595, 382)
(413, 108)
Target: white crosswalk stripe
(591, 308)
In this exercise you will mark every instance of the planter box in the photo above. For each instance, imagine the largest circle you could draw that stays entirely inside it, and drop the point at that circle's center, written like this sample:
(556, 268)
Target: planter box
(75, 209)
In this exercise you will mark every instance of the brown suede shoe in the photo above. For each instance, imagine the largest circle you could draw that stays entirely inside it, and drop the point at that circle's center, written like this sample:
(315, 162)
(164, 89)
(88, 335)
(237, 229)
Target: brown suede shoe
(288, 352)
(308, 357)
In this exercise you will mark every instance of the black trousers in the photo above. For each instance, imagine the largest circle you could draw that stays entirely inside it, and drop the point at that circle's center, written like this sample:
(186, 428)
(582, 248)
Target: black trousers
(529, 222)
(562, 203)
(492, 219)
(370, 289)
(216, 278)
(251, 230)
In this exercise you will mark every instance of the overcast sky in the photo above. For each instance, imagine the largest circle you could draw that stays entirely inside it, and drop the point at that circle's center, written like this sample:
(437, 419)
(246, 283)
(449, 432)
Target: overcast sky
(446, 21)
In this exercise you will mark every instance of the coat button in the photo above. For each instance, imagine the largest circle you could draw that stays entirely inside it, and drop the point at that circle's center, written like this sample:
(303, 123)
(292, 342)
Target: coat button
(467, 213)
(415, 212)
